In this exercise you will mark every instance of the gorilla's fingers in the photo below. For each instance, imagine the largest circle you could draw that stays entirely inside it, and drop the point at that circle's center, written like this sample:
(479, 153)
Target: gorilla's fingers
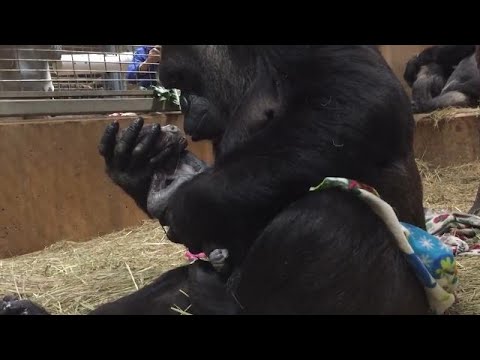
(145, 145)
(126, 143)
(108, 140)
(164, 156)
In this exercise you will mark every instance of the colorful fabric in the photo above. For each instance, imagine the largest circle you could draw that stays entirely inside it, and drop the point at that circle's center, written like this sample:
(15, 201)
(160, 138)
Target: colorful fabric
(458, 230)
(195, 257)
(432, 260)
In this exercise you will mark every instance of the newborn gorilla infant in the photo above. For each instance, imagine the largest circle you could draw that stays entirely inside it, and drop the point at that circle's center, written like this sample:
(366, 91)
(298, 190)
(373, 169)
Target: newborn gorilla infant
(171, 164)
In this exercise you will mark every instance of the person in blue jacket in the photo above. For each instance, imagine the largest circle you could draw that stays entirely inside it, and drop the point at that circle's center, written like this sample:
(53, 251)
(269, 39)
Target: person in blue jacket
(144, 66)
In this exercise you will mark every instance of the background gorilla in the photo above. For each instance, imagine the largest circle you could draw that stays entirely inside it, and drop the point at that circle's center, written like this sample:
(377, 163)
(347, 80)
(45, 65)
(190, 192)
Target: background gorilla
(443, 76)
(282, 119)
(475, 209)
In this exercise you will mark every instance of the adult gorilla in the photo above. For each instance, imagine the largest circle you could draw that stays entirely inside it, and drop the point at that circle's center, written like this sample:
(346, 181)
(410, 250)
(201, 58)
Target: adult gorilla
(282, 118)
(443, 76)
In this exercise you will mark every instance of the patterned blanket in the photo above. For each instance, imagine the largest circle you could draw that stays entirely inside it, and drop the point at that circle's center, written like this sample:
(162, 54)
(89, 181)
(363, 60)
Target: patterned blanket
(460, 231)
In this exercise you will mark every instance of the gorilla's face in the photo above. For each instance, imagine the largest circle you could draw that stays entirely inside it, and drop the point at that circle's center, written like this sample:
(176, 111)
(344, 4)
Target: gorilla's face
(187, 69)
(202, 118)
(228, 93)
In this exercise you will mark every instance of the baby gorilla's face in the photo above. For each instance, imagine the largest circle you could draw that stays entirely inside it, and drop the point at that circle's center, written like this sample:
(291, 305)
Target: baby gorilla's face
(171, 142)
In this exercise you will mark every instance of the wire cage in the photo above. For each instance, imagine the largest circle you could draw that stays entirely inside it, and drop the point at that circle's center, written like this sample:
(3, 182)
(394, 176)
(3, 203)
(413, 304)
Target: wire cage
(80, 79)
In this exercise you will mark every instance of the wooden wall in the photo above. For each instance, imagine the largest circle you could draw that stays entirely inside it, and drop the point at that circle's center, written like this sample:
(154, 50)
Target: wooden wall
(54, 186)
(53, 181)
(397, 57)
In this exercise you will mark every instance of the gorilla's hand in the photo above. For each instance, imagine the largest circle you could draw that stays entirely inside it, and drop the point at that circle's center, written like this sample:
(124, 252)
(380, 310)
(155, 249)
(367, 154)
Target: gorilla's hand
(11, 305)
(138, 152)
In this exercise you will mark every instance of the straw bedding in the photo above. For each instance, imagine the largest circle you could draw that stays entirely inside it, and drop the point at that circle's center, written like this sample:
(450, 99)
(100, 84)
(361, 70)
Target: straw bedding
(72, 278)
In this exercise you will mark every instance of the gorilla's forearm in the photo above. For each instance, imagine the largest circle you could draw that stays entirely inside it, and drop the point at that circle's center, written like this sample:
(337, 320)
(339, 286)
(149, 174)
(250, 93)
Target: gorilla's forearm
(228, 205)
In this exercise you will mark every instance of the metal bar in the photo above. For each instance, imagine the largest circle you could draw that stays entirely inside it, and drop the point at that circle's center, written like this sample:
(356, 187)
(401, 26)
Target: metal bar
(80, 106)
(73, 93)
(117, 83)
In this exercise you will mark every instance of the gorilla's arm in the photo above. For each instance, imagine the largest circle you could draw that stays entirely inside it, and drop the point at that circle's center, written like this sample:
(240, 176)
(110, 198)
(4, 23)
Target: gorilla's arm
(228, 205)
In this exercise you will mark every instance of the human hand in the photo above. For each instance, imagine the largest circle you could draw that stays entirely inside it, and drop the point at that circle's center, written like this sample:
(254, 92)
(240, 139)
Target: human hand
(154, 55)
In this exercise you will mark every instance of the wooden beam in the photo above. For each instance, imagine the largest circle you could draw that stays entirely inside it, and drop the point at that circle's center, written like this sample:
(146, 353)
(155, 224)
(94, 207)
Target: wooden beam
(79, 106)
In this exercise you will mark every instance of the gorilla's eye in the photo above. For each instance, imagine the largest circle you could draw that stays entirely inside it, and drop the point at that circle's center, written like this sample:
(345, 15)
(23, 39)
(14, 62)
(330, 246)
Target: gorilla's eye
(184, 104)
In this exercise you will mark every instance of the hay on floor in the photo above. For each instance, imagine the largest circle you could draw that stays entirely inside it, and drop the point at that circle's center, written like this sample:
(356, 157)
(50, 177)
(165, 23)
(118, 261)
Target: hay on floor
(450, 188)
(73, 278)
(468, 294)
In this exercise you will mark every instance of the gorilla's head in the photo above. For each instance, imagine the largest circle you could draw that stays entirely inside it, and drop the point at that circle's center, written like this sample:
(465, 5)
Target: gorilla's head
(223, 87)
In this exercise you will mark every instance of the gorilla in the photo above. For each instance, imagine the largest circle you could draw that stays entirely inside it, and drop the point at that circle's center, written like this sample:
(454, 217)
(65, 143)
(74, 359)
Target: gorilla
(477, 55)
(281, 118)
(443, 76)
(475, 209)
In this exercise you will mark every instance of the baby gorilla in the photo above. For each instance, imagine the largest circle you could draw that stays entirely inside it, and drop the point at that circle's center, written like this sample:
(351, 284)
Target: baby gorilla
(145, 153)
(170, 165)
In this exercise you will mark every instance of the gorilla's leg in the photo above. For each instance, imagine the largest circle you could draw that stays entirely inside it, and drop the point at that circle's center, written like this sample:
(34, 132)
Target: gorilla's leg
(195, 289)
(11, 305)
(475, 209)
(328, 253)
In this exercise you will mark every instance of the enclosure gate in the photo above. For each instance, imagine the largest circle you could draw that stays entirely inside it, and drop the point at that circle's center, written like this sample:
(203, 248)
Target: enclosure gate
(72, 80)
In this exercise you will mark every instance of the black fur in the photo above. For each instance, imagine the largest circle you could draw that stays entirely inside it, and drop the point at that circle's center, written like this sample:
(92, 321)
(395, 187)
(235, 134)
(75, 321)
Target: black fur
(443, 76)
(290, 116)
(475, 209)
(173, 292)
